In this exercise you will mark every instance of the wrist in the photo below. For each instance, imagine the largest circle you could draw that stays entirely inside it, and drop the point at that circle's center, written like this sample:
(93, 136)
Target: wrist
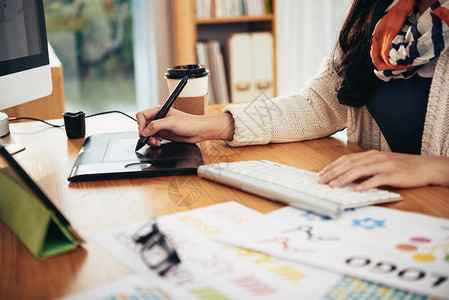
(218, 127)
(439, 170)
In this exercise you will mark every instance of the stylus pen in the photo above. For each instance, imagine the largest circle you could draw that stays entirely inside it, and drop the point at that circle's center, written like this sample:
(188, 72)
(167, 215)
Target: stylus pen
(164, 109)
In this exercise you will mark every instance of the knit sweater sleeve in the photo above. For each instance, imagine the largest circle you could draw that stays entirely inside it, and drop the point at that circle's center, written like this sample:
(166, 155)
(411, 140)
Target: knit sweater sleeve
(312, 113)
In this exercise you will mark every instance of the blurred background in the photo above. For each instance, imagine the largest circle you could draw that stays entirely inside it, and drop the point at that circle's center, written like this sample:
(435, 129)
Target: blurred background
(115, 52)
(94, 41)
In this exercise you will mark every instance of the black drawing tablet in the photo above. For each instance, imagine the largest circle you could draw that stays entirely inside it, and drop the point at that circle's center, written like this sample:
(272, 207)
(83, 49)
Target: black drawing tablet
(112, 156)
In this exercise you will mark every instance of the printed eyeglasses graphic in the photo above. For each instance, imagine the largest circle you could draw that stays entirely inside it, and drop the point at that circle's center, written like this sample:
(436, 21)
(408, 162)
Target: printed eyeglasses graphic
(157, 251)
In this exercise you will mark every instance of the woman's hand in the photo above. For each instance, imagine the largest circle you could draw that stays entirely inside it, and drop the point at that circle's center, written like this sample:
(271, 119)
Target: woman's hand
(178, 126)
(386, 168)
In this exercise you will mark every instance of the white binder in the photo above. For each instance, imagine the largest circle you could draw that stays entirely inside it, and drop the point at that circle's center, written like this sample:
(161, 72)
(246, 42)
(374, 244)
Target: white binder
(263, 65)
(240, 67)
(251, 66)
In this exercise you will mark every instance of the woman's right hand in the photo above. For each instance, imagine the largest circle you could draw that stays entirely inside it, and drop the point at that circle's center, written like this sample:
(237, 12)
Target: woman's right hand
(178, 126)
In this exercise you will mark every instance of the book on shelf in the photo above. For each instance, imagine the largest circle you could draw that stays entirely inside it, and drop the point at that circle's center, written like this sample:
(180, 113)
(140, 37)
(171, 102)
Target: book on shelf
(210, 55)
(250, 66)
(231, 8)
(203, 59)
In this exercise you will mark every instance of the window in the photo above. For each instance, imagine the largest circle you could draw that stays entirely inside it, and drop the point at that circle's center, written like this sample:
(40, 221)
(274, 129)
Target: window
(94, 41)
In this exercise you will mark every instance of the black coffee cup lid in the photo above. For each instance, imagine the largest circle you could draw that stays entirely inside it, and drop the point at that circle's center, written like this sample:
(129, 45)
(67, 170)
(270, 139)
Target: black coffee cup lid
(193, 71)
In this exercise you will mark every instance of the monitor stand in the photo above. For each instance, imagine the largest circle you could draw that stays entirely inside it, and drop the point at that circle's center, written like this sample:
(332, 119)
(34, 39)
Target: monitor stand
(4, 125)
(14, 148)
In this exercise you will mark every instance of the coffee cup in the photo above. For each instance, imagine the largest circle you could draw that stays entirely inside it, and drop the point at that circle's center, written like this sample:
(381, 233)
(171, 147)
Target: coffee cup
(194, 97)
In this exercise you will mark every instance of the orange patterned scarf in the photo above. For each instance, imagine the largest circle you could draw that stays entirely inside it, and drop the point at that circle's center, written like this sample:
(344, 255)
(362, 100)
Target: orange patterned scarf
(404, 40)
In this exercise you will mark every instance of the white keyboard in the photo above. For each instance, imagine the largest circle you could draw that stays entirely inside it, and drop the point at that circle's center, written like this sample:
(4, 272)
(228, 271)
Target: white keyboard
(292, 186)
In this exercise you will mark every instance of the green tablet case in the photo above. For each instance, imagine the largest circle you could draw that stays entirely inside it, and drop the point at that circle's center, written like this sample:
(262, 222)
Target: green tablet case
(35, 221)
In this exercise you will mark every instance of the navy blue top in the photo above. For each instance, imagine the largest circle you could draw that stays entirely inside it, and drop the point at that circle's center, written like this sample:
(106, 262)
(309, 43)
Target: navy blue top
(399, 109)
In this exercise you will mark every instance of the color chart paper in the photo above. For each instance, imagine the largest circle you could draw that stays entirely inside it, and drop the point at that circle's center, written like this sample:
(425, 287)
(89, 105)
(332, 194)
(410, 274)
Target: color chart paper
(404, 250)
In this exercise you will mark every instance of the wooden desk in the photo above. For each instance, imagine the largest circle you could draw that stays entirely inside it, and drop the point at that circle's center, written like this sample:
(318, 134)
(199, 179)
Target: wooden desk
(101, 204)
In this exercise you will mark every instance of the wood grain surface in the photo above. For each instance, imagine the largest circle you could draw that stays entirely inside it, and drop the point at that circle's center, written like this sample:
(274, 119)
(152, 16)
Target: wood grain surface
(96, 205)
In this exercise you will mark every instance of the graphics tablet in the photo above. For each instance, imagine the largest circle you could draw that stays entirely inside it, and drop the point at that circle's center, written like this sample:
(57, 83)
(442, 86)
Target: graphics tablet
(112, 156)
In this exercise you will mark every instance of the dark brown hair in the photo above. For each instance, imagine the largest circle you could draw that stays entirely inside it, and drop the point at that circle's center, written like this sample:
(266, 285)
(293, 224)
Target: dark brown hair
(352, 59)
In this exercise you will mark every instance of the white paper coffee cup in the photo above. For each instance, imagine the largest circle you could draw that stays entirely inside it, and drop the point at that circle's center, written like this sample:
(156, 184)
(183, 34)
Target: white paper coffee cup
(194, 97)
(196, 85)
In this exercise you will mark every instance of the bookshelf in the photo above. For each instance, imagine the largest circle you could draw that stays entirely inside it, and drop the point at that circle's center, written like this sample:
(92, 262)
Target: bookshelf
(188, 30)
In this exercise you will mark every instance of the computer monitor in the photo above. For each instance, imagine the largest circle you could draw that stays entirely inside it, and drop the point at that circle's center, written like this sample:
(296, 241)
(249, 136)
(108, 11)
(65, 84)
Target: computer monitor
(25, 72)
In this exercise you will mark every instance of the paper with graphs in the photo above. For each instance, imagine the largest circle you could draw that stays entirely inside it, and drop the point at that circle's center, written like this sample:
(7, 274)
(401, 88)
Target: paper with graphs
(210, 270)
(399, 249)
(213, 270)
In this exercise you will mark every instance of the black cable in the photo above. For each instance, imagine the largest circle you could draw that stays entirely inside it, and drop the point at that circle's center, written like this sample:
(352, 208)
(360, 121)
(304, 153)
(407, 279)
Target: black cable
(34, 119)
(110, 112)
(55, 125)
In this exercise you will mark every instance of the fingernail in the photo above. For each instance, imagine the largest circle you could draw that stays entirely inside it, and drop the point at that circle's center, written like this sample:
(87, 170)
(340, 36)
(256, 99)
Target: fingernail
(334, 183)
(359, 188)
(146, 132)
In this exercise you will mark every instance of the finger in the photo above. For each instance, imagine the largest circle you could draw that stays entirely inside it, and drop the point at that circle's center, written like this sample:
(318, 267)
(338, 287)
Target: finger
(141, 122)
(165, 124)
(154, 141)
(345, 164)
(151, 112)
(367, 170)
(144, 117)
(374, 182)
(390, 178)
(177, 138)
(347, 158)
(342, 167)
(343, 160)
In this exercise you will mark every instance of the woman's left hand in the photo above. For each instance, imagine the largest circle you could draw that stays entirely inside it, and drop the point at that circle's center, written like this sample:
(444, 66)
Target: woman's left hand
(386, 168)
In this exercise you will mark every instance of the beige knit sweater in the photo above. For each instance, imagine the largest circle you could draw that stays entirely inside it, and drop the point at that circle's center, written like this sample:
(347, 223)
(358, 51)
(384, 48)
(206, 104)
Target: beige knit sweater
(315, 112)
